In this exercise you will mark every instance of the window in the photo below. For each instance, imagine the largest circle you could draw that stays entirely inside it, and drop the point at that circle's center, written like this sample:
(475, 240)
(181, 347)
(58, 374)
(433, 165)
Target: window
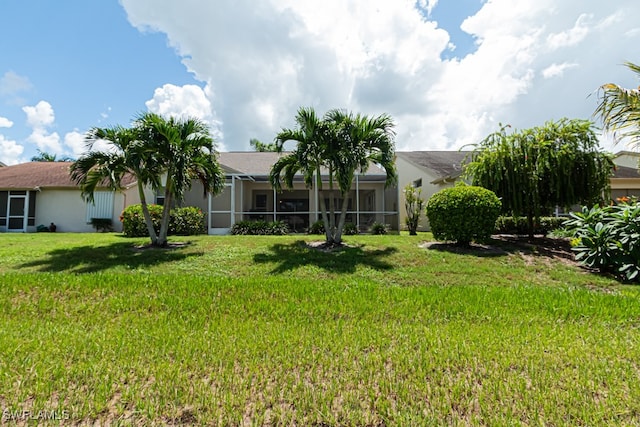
(102, 206)
(417, 183)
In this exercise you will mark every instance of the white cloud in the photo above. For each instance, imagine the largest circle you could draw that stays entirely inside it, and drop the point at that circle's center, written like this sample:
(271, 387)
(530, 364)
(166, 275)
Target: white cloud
(572, 36)
(556, 70)
(10, 151)
(183, 102)
(40, 117)
(76, 143)
(12, 83)
(5, 123)
(261, 61)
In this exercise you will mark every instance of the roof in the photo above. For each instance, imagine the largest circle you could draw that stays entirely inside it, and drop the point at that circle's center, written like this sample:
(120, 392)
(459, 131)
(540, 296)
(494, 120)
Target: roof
(258, 163)
(625, 172)
(41, 175)
(444, 164)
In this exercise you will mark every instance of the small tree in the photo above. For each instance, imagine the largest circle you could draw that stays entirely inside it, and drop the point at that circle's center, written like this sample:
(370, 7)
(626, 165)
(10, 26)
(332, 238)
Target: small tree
(414, 204)
(535, 170)
(463, 214)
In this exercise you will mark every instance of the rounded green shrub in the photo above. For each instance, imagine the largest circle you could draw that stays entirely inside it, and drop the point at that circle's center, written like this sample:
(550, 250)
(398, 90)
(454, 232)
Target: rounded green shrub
(463, 214)
(185, 221)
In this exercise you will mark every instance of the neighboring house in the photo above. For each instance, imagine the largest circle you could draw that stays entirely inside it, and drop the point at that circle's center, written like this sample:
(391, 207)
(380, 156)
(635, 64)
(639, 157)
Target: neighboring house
(39, 193)
(249, 196)
(626, 178)
(2, 164)
(431, 171)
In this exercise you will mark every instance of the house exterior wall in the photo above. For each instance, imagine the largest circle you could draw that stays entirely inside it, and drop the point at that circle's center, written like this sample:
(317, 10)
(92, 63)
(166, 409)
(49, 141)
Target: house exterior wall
(68, 211)
(409, 173)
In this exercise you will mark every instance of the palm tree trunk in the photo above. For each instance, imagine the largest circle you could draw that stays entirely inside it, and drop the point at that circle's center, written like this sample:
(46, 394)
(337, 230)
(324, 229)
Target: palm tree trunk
(166, 210)
(332, 210)
(323, 205)
(343, 218)
(147, 216)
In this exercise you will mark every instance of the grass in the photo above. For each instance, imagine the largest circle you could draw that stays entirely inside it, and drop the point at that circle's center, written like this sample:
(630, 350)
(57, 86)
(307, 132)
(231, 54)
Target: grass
(239, 330)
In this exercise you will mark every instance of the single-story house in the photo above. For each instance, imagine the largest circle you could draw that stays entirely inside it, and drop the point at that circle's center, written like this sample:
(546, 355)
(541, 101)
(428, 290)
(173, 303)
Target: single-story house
(249, 196)
(41, 193)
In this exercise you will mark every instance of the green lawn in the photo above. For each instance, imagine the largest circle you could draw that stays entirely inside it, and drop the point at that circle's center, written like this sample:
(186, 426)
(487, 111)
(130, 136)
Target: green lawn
(240, 330)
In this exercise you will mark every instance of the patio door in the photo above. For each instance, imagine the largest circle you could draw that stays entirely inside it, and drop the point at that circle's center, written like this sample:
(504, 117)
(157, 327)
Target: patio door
(16, 209)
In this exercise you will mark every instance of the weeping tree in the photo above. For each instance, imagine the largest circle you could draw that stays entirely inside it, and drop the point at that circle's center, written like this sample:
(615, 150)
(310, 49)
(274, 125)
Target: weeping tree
(537, 169)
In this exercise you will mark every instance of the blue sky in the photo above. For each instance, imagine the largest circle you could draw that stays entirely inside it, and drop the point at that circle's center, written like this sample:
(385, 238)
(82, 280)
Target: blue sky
(447, 71)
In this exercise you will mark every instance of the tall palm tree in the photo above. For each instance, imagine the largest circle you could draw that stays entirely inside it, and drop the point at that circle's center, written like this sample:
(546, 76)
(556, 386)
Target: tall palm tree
(128, 155)
(186, 152)
(619, 109)
(339, 144)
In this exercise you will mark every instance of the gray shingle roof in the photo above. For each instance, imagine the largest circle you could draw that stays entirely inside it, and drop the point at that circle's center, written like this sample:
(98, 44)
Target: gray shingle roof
(626, 172)
(444, 164)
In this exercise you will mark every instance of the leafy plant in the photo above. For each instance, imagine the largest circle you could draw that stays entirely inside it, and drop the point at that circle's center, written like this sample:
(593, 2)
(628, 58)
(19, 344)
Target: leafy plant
(608, 239)
(350, 229)
(463, 214)
(520, 225)
(414, 204)
(185, 221)
(378, 228)
(260, 228)
(316, 228)
(102, 224)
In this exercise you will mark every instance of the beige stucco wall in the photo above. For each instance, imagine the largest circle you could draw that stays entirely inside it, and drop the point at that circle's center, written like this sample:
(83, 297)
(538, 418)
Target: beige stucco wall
(407, 174)
(68, 210)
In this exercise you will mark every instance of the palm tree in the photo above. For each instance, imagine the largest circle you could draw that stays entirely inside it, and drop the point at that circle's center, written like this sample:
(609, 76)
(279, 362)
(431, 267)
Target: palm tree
(619, 110)
(43, 156)
(129, 155)
(340, 144)
(186, 152)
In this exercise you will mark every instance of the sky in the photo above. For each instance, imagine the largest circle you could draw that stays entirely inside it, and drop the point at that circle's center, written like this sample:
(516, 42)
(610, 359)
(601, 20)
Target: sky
(449, 72)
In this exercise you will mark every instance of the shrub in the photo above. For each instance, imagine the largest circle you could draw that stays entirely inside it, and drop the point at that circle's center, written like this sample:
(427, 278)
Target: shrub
(102, 224)
(182, 221)
(378, 228)
(350, 229)
(260, 228)
(318, 228)
(133, 224)
(608, 239)
(520, 225)
(463, 214)
(186, 221)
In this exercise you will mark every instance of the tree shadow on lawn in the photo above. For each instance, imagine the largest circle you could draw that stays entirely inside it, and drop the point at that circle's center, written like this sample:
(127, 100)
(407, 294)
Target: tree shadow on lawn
(341, 260)
(91, 259)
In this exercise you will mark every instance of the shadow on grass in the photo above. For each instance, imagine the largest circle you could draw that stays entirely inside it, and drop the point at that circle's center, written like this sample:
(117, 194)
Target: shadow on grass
(479, 250)
(341, 260)
(91, 259)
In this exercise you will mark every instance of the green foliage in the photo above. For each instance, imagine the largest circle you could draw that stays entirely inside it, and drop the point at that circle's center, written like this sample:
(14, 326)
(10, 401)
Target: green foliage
(350, 229)
(414, 205)
(185, 221)
(535, 170)
(608, 239)
(260, 228)
(463, 214)
(262, 147)
(520, 225)
(102, 224)
(378, 228)
(619, 110)
(317, 227)
(338, 146)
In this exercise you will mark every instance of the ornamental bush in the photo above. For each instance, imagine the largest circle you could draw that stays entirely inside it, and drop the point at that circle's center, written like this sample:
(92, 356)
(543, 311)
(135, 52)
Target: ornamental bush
(520, 225)
(260, 228)
(608, 238)
(463, 214)
(185, 221)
